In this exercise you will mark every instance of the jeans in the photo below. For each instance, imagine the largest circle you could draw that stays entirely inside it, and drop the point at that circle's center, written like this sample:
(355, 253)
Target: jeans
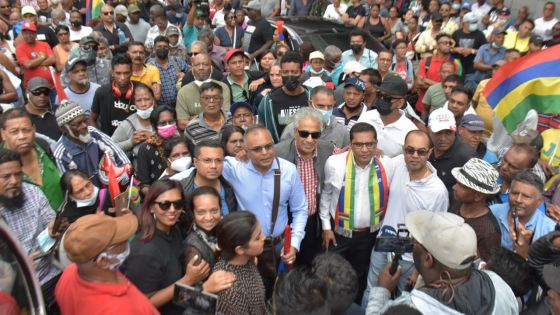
(378, 262)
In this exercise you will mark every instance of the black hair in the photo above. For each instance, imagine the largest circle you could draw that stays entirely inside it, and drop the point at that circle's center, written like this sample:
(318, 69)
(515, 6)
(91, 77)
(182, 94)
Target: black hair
(292, 56)
(442, 35)
(9, 156)
(171, 143)
(305, 49)
(234, 230)
(512, 268)
(461, 89)
(14, 113)
(189, 205)
(301, 292)
(154, 116)
(340, 278)
(362, 127)
(227, 132)
(322, 89)
(528, 21)
(210, 86)
(374, 76)
(61, 27)
(453, 78)
(401, 309)
(398, 42)
(160, 38)
(207, 144)
(141, 86)
(66, 179)
(511, 50)
(530, 149)
(358, 32)
(136, 43)
(387, 51)
(529, 178)
(120, 59)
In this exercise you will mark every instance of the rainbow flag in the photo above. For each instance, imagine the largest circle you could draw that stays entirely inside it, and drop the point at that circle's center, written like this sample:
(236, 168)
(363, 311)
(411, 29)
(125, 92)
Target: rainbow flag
(134, 192)
(93, 9)
(531, 82)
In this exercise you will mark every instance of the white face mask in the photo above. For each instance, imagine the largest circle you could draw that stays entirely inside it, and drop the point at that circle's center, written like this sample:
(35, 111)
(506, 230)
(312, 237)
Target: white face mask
(90, 201)
(181, 164)
(120, 258)
(144, 114)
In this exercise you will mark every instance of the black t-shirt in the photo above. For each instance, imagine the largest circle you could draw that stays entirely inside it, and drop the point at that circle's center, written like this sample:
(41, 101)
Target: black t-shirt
(353, 11)
(456, 156)
(113, 38)
(46, 34)
(111, 111)
(46, 125)
(471, 40)
(285, 106)
(263, 33)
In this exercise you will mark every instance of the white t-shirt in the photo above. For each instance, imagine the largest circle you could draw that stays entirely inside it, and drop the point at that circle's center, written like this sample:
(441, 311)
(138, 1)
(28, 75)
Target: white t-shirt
(331, 14)
(75, 36)
(390, 137)
(544, 28)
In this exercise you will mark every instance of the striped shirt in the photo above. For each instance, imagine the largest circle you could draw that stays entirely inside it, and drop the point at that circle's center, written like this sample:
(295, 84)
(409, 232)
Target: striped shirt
(198, 130)
(340, 116)
(308, 177)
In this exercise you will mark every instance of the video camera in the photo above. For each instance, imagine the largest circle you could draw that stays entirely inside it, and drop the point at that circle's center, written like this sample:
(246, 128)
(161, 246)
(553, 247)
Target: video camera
(202, 6)
(398, 244)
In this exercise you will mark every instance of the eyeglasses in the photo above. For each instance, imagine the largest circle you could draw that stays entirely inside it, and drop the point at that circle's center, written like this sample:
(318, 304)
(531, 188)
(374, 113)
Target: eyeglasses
(166, 205)
(359, 145)
(421, 151)
(305, 134)
(108, 13)
(211, 98)
(191, 54)
(44, 92)
(266, 147)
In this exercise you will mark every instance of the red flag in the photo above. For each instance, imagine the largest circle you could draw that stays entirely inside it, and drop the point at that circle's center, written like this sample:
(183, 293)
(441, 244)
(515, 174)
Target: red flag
(288, 242)
(112, 184)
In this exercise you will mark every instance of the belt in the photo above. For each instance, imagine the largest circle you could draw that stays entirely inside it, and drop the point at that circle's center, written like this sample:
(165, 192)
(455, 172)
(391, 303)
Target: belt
(361, 231)
(273, 240)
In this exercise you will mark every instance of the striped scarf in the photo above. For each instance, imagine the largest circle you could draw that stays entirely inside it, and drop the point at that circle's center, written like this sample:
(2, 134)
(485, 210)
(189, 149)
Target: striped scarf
(378, 190)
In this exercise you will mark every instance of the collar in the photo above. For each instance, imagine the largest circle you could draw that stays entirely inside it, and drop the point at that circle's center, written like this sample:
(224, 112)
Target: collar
(273, 167)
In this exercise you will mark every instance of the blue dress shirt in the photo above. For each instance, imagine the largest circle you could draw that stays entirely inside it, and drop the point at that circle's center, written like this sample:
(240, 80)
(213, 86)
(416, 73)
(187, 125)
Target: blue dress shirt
(255, 191)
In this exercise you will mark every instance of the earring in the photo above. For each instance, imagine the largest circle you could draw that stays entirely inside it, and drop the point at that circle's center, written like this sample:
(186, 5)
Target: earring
(154, 215)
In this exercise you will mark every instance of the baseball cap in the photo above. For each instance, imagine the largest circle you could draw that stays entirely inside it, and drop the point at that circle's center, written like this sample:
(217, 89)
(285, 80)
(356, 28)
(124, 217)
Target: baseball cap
(313, 82)
(497, 31)
(316, 55)
(393, 84)
(122, 10)
(87, 40)
(37, 83)
(172, 30)
(28, 10)
(470, 18)
(478, 175)
(472, 122)
(442, 119)
(200, 13)
(92, 234)
(352, 66)
(72, 62)
(536, 39)
(235, 106)
(444, 235)
(253, 4)
(133, 8)
(355, 82)
(466, 6)
(29, 27)
(233, 52)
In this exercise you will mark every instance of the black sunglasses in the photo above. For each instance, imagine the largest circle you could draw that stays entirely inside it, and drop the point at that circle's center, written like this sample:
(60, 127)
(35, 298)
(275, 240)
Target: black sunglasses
(304, 134)
(421, 151)
(41, 92)
(165, 205)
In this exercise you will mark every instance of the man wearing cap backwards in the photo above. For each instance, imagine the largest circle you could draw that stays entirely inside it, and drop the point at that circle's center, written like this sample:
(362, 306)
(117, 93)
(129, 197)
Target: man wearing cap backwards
(77, 30)
(39, 108)
(261, 40)
(98, 245)
(520, 220)
(79, 88)
(353, 106)
(278, 107)
(82, 146)
(27, 212)
(188, 97)
(444, 250)
(388, 119)
(322, 99)
(170, 69)
(354, 199)
(449, 151)
(488, 54)
(44, 33)
(415, 185)
(138, 26)
(471, 130)
(477, 180)
(34, 56)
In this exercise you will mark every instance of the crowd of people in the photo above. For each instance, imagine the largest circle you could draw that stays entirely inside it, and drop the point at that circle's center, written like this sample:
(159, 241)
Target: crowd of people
(264, 178)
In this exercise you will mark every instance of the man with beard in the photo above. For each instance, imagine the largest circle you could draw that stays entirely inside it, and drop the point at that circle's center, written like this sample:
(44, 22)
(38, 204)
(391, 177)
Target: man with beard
(278, 107)
(27, 212)
(359, 52)
(39, 168)
(114, 102)
(39, 108)
(77, 30)
(79, 89)
(137, 26)
(82, 146)
(188, 98)
(388, 119)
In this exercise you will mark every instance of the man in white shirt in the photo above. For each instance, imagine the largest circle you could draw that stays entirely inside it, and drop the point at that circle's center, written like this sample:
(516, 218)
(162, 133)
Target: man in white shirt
(480, 9)
(77, 30)
(388, 119)
(355, 194)
(80, 89)
(335, 11)
(415, 185)
(544, 24)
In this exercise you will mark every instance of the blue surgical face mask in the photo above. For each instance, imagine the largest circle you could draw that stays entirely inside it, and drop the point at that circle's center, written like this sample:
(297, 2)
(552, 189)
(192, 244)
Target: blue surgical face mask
(327, 114)
(316, 72)
(473, 27)
(456, 6)
(495, 45)
(144, 113)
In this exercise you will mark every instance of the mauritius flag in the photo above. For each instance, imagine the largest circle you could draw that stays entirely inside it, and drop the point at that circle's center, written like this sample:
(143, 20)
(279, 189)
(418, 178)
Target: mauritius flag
(93, 8)
(531, 82)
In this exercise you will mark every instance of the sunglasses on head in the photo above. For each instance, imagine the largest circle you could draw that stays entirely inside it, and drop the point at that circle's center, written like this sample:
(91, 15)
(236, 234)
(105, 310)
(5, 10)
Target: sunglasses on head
(304, 134)
(41, 92)
(166, 205)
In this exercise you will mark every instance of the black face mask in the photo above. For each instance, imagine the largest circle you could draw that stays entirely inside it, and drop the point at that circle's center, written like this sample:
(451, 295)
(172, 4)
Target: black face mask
(227, 7)
(89, 55)
(291, 82)
(162, 53)
(76, 23)
(356, 48)
(383, 105)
